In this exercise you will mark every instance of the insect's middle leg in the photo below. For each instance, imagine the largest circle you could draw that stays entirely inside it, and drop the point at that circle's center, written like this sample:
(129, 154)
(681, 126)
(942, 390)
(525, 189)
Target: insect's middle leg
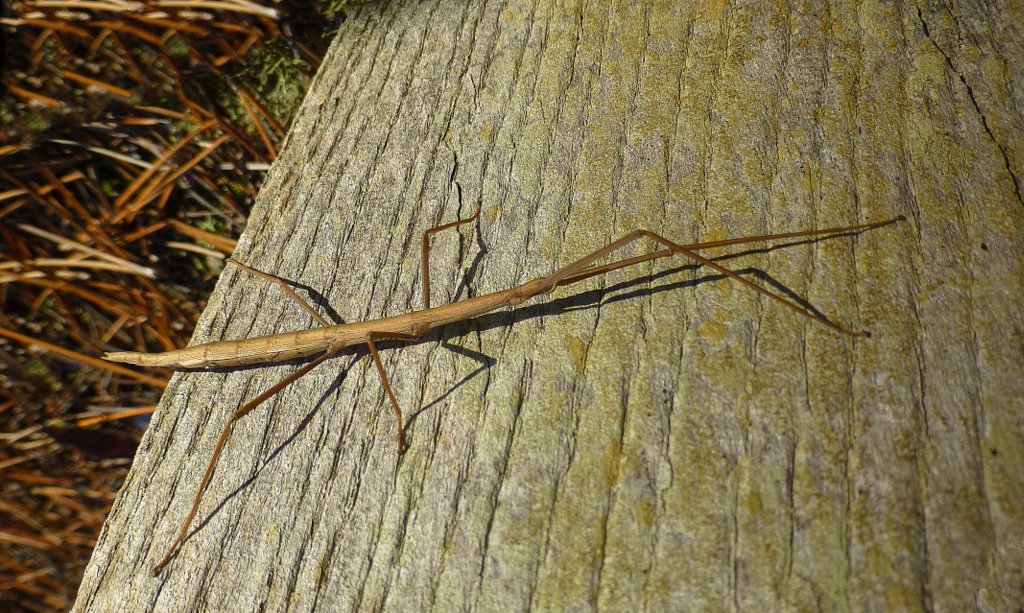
(425, 251)
(387, 384)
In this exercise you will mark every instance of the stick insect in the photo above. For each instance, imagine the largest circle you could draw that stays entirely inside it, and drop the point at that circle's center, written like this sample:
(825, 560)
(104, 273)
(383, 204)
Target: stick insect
(327, 340)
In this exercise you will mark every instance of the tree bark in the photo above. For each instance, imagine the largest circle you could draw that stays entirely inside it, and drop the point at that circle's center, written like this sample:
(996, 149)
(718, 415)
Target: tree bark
(660, 438)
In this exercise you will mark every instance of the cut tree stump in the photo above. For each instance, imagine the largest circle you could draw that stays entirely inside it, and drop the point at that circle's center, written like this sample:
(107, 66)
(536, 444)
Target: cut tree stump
(658, 439)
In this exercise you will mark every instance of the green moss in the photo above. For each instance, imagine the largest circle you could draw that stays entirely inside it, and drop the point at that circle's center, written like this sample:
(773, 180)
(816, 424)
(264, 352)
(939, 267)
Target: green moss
(175, 46)
(278, 74)
(35, 122)
(212, 224)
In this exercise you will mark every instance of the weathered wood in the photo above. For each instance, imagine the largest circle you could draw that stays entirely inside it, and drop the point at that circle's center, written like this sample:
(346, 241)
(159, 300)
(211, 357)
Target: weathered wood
(659, 440)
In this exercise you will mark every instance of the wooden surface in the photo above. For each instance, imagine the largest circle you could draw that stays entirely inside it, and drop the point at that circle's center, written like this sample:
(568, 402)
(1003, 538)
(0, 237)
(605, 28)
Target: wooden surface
(658, 439)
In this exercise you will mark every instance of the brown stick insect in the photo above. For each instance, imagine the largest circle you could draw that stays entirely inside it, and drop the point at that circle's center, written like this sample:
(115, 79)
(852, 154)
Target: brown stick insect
(329, 339)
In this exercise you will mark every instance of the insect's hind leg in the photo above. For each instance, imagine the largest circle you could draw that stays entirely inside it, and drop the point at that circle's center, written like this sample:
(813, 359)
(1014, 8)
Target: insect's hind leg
(284, 286)
(425, 251)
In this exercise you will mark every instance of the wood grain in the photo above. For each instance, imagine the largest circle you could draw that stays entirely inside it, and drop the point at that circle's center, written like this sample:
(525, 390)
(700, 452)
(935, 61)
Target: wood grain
(657, 439)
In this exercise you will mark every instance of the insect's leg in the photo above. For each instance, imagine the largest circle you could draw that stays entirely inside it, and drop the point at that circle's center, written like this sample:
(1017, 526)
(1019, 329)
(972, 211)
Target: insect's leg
(237, 415)
(584, 268)
(387, 384)
(425, 251)
(793, 306)
(284, 286)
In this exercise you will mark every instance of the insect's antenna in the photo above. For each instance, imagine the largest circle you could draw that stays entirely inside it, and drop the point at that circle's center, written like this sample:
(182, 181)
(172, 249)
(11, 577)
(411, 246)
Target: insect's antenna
(823, 232)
